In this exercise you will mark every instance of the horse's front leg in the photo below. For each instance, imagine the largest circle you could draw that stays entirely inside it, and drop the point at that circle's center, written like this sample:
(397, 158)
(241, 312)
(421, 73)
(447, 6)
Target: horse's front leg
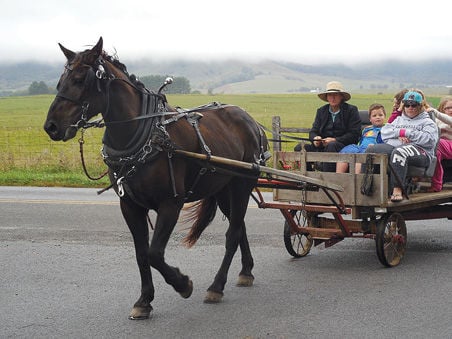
(135, 217)
(167, 215)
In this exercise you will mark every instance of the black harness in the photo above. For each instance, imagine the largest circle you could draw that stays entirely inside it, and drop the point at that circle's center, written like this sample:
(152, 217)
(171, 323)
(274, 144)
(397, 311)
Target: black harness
(154, 140)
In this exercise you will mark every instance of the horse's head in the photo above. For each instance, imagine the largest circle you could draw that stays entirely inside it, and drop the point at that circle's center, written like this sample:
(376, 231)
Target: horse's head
(79, 96)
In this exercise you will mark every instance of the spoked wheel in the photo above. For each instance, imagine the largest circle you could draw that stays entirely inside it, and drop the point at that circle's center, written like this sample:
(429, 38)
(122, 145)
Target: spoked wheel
(297, 244)
(391, 239)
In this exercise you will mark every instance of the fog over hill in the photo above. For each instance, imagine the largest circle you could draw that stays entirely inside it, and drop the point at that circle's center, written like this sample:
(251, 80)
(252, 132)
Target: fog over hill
(234, 76)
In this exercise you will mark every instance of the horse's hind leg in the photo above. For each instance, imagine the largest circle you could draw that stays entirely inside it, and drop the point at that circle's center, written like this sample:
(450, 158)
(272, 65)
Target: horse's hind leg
(135, 218)
(246, 278)
(233, 202)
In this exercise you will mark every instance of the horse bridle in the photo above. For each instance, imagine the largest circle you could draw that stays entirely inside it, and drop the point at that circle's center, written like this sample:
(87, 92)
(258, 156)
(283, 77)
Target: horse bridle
(97, 74)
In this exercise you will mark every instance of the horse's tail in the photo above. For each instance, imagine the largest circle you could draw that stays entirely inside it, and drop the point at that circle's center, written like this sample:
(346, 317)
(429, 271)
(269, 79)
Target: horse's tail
(201, 213)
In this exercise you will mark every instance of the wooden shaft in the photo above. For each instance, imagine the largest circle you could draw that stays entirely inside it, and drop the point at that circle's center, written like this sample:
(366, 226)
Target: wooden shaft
(258, 168)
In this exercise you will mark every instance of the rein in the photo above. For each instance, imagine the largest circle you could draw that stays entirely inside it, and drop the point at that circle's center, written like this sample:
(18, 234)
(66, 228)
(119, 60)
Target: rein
(81, 142)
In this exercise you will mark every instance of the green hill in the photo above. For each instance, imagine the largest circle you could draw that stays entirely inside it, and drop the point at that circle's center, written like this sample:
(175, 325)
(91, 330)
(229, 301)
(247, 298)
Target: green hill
(234, 76)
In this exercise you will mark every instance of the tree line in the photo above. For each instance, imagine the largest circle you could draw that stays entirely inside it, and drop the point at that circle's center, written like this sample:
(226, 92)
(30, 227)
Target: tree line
(180, 85)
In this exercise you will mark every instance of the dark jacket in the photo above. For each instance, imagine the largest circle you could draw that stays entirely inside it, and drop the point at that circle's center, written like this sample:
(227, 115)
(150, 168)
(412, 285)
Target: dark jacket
(347, 128)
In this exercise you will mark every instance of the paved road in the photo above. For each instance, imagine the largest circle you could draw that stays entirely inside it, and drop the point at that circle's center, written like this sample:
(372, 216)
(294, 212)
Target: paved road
(68, 270)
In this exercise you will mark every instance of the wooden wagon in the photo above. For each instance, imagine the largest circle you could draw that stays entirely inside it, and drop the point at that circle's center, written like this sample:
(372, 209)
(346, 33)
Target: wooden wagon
(334, 206)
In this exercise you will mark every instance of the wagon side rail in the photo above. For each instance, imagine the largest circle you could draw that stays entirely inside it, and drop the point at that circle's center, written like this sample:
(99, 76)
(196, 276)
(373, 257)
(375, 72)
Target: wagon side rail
(278, 132)
(299, 162)
(281, 134)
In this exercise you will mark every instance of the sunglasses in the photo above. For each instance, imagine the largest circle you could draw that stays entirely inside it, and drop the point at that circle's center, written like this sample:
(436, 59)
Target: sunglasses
(410, 105)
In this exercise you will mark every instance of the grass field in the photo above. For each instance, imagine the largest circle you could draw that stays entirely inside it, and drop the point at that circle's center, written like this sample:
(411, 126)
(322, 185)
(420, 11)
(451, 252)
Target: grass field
(29, 157)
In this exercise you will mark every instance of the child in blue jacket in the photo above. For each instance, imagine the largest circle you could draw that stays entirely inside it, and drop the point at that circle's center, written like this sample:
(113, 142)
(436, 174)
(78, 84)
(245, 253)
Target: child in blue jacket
(369, 136)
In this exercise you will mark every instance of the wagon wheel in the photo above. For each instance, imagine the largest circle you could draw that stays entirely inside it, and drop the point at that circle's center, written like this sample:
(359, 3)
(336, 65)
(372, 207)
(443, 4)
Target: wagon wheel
(391, 239)
(297, 244)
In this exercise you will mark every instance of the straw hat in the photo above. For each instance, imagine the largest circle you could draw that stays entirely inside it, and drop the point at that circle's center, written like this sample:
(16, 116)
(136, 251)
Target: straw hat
(334, 87)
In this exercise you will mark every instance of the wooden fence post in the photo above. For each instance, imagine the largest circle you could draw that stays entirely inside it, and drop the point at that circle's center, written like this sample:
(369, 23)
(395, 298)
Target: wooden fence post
(276, 131)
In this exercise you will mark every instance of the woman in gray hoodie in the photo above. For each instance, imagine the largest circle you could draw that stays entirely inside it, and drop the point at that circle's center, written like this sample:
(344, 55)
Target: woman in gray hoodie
(409, 140)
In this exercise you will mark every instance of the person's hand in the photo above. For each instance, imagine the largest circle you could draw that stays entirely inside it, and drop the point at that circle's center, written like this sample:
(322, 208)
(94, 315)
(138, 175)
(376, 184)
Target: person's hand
(326, 141)
(317, 143)
(432, 111)
(404, 140)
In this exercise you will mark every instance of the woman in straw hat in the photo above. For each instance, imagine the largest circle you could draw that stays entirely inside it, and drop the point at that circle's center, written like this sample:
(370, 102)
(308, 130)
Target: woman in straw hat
(336, 124)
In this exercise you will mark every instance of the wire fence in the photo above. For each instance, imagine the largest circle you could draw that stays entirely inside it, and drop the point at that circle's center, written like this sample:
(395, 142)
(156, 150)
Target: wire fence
(30, 148)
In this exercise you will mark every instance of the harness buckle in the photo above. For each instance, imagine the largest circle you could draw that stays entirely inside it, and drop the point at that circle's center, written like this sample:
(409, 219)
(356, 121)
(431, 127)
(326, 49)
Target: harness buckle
(100, 72)
(120, 187)
(147, 149)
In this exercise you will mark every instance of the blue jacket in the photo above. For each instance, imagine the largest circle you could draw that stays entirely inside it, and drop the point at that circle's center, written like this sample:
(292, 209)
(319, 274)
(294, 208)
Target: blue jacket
(370, 135)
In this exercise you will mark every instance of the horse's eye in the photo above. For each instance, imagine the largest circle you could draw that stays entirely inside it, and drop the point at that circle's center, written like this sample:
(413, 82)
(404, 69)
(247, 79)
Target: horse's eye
(79, 80)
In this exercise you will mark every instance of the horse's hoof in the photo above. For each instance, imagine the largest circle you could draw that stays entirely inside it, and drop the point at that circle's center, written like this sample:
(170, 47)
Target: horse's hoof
(187, 293)
(245, 281)
(140, 313)
(213, 297)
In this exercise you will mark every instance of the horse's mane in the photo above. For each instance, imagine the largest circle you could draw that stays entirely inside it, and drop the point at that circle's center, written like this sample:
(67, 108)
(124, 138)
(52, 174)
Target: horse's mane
(115, 61)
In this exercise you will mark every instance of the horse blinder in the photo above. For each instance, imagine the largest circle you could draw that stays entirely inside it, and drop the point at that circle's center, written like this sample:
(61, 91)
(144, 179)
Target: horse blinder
(96, 74)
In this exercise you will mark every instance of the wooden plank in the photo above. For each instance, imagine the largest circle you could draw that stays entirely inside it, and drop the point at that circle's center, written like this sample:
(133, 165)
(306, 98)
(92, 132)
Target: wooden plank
(353, 226)
(352, 196)
(420, 201)
(303, 207)
(295, 130)
(323, 233)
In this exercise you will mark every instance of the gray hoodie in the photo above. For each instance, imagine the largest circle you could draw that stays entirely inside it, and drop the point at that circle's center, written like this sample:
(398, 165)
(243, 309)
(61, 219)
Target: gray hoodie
(420, 130)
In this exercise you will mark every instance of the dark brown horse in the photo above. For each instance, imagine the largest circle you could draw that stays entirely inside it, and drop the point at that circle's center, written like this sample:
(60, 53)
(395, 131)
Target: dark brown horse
(142, 137)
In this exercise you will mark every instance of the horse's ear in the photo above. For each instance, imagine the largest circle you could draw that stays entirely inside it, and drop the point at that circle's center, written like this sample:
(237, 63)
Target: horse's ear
(98, 48)
(68, 53)
(94, 53)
